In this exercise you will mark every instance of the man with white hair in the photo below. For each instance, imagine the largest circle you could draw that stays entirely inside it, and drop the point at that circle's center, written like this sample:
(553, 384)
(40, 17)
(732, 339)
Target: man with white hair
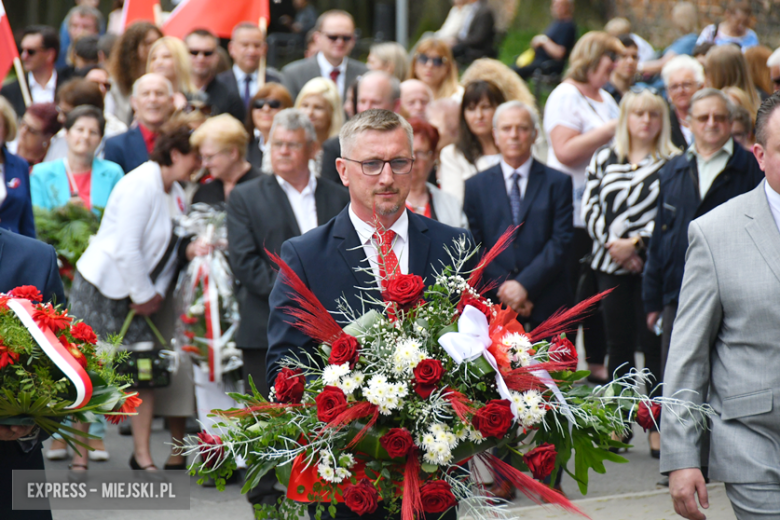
(774, 68)
(152, 100)
(415, 96)
(683, 76)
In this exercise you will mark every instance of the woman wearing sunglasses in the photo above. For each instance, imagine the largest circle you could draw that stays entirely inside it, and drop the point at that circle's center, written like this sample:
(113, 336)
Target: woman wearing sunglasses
(265, 104)
(619, 208)
(433, 65)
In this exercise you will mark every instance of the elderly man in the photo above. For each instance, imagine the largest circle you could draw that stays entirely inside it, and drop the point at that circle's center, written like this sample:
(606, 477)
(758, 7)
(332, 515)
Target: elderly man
(39, 49)
(773, 62)
(152, 101)
(204, 59)
(724, 346)
(683, 76)
(89, 21)
(712, 171)
(376, 89)
(334, 35)
(553, 47)
(415, 97)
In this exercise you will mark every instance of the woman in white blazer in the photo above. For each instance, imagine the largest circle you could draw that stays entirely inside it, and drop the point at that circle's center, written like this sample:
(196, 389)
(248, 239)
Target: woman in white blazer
(131, 261)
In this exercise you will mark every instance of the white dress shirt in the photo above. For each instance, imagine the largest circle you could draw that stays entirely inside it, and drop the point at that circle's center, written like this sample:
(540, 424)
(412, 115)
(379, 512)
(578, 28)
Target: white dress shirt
(366, 232)
(302, 202)
(42, 93)
(326, 68)
(241, 80)
(773, 198)
(524, 170)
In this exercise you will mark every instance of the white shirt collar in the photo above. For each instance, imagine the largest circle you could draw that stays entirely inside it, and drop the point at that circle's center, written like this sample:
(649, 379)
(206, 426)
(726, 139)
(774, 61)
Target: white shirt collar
(308, 189)
(50, 85)
(326, 67)
(241, 75)
(365, 230)
(728, 148)
(524, 170)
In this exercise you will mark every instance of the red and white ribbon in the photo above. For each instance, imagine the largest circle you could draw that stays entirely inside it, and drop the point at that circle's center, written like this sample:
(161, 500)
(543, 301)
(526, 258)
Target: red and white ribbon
(52, 347)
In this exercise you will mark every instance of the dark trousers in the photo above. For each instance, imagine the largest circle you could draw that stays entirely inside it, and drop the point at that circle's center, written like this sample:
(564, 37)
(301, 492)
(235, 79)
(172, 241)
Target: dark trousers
(626, 325)
(345, 513)
(592, 326)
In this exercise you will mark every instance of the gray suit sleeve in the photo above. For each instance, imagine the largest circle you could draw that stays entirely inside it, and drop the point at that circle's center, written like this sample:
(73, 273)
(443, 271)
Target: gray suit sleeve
(687, 373)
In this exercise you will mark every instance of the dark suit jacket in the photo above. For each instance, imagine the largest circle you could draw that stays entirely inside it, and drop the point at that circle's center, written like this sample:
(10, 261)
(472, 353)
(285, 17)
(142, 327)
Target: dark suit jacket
(678, 139)
(128, 150)
(259, 217)
(16, 213)
(228, 79)
(296, 74)
(538, 256)
(331, 150)
(224, 101)
(254, 154)
(13, 93)
(480, 38)
(325, 259)
(25, 261)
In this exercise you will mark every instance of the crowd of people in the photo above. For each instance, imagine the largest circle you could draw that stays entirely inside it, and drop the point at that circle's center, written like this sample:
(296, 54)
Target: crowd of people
(602, 181)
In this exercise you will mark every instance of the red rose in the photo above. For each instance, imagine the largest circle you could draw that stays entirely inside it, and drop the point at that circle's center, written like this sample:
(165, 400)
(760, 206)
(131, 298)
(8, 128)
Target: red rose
(564, 351)
(289, 386)
(28, 292)
(478, 304)
(493, 419)
(437, 497)
(83, 332)
(647, 414)
(344, 350)
(427, 374)
(330, 403)
(405, 290)
(361, 498)
(397, 442)
(541, 460)
(211, 450)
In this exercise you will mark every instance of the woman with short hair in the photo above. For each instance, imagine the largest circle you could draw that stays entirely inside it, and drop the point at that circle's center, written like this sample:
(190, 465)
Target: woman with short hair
(269, 100)
(36, 129)
(15, 204)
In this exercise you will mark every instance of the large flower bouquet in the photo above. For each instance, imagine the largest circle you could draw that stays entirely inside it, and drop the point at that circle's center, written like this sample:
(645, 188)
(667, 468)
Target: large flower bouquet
(392, 407)
(208, 317)
(51, 367)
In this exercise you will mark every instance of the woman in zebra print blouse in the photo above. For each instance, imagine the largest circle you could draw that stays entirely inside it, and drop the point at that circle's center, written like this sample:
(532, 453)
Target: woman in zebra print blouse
(619, 207)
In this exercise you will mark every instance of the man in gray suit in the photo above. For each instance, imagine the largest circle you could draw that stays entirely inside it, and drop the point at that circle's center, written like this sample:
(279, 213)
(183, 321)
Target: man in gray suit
(335, 38)
(725, 344)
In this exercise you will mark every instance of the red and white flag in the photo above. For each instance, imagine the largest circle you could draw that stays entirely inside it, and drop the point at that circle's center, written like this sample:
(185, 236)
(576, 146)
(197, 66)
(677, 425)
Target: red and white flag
(218, 16)
(8, 50)
(140, 10)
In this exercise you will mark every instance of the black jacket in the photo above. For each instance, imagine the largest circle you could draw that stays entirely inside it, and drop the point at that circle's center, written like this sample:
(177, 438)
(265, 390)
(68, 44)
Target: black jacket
(678, 204)
(259, 217)
(228, 80)
(331, 150)
(13, 93)
(224, 101)
(678, 139)
(480, 37)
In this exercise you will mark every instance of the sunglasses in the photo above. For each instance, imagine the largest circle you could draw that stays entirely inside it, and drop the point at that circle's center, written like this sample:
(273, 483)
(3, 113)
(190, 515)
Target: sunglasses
(31, 52)
(346, 38)
(638, 89)
(205, 53)
(203, 109)
(717, 118)
(611, 55)
(273, 104)
(423, 59)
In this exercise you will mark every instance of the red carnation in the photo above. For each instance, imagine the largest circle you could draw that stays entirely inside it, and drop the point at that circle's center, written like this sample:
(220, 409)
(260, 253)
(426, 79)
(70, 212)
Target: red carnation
(47, 316)
(477, 303)
(330, 403)
(648, 415)
(7, 357)
(564, 351)
(84, 332)
(27, 292)
(493, 419)
(362, 498)
(427, 375)
(437, 497)
(211, 450)
(129, 405)
(289, 386)
(188, 320)
(404, 290)
(541, 460)
(397, 442)
(344, 350)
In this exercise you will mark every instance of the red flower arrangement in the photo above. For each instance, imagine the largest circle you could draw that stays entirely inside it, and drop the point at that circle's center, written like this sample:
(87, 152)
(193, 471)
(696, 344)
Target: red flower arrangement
(405, 290)
(344, 350)
(330, 403)
(427, 375)
(27, 292)
(7, 357)
(289, 386)
(361, 498)
(494, 419)
(541, 460)
(128, 406)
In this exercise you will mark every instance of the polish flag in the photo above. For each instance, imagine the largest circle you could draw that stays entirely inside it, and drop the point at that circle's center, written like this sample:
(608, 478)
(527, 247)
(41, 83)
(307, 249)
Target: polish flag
(8, 50)
(140, 10)
(218, 16)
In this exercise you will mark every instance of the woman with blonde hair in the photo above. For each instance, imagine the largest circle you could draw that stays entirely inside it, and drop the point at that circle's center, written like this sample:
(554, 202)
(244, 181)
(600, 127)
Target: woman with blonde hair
(319, 99)
(433, 64)
(756, 58)
(170, 58)
(725, 66)
(390, 57)
(619, 208)
(512, 85)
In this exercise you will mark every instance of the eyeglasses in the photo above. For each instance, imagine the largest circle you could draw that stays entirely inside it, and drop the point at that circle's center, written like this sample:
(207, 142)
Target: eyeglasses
(373, 167)
(346, 38)
(422, 156)
(717, 118)
(638, 89)
(262, 102)
(202, 108)
(291, 145)
(195, 52)
(208, 158)
(423, 59)
(688, 85)
(24, 125)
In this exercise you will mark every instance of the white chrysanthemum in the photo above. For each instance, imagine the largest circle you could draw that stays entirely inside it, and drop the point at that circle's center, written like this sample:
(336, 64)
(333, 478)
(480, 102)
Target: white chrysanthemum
(333, 373)
(407, 356)
(346, 460)
(427, 441)
(517, 341)
(358, 378)
(475, 436)
(378, 379)
(385, 409)
(532, 398)
(326, 472)
(450, 439)
(347, 385)
(436, 428)
(341, 474)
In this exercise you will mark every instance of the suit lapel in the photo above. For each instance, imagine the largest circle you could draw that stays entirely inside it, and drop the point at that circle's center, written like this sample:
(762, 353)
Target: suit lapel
(325, 205)
(137, 143)
(535, 179)
(419, 245)
(497, 186)
(279, 197)
(763, 230)
(351, 250)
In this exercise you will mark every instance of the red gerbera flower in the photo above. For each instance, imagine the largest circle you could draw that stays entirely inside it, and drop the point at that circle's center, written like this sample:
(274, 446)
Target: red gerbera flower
(84, 332)
(28, 292)
(129, 406)
(47, 316)
(7, 357)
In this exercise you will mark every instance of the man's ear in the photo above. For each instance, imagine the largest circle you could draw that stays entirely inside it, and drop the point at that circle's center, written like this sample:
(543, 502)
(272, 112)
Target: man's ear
(758, 152)
(341, 167)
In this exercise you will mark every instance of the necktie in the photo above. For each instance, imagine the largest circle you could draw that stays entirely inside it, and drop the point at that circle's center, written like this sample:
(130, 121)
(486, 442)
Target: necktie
(388, 262)
(515, 198)
(247, 94)
(334, 75)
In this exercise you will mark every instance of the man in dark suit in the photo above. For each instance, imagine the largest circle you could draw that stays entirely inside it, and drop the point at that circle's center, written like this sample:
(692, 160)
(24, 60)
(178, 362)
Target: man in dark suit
(477, 37)
(247, 45)
(24, 261)
(204, 58)
(39, 49)
(521, 191)
(335, 38)
(152, 100)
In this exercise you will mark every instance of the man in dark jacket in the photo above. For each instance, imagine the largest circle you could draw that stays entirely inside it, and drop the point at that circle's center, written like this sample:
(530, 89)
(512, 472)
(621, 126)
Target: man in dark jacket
(712, 171)
(477, 37)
